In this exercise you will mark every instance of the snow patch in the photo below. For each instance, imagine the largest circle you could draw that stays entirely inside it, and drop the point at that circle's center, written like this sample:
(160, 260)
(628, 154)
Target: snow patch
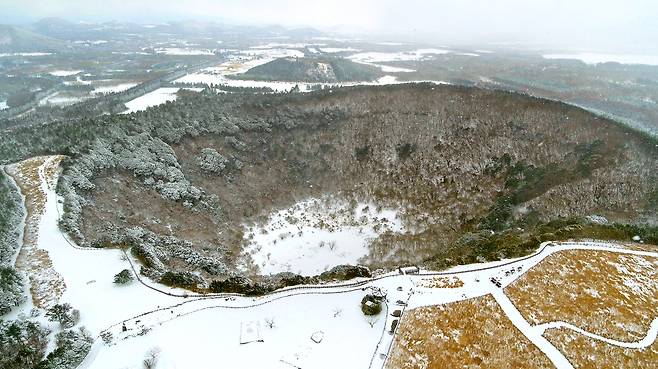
(153, 98)
(24, 54)
(274, 45)
(333, 50)
(315, 235)
(273, 53)
(113, 88)
(378, 57)
(64, 73)
(183, 51)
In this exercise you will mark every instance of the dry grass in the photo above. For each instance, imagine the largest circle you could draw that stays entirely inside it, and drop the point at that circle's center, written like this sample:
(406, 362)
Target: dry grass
(640, 247)
(586, 353)
(440, 282)
(604, 292)
(52, 169)
(472, 333)
(46, 285)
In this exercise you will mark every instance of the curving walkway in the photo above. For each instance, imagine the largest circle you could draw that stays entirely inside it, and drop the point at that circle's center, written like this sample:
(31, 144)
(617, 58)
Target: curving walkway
(647, 341)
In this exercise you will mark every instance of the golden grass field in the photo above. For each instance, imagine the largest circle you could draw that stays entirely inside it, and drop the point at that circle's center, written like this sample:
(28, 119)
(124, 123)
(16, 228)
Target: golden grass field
(604, 292)
(440, 282)
(473, 333)
(586, 353)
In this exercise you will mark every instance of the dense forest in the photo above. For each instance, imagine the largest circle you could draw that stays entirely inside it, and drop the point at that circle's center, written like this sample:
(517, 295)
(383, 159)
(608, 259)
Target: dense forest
(313, 69)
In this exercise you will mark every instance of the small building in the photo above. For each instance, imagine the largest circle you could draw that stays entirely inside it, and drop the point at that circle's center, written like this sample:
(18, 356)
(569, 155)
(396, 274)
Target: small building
(409, 270)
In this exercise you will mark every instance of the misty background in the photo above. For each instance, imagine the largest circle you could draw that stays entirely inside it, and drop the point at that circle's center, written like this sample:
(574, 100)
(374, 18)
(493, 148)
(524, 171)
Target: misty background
(585, 25)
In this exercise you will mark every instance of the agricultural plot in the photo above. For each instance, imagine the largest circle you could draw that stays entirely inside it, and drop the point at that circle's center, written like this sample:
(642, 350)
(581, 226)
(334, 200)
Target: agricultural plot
(603, 292)
(473, 333)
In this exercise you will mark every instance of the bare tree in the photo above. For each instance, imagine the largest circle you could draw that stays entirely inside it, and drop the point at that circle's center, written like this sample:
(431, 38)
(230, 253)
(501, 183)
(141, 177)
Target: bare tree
(151, 359)
(372, 320)
(337, 312)
(269, 322)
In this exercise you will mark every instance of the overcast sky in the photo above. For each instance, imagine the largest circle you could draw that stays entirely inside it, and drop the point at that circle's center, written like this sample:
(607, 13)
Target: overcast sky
(597, 25)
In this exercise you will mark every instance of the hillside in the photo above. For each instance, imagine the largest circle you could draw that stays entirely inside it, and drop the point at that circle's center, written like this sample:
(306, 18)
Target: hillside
(464, 175)
(312, 70)
(19, 40)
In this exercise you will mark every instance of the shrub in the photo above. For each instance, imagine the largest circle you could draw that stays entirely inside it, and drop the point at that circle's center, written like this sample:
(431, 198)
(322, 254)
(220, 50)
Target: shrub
(405, 150)
(65, 314)
(362, 153)
(371, 305)
(180, 279)
(211, 161)
(22, 344)
(11, 289)
(71, 348)
(123, 277)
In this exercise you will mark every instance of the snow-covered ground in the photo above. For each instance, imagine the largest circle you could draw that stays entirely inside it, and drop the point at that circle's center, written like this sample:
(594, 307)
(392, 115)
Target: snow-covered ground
(78, 82)
(218, 75)
(25, 54)
(219, 79)
(203, 332)
(64, 73)
(183, 51)
(332, 50)
(276, 45)
(273, 53)
(378, 57)
(387, 68)
(90, 42)
(154, 98)
(106, 89)
(209, 78)
(88, 274)
(213, 336)
(60, 99)
(597, 58)
(315, 235)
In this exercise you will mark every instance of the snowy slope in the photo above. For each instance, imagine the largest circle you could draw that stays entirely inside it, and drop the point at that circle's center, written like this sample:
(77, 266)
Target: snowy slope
(205, 332)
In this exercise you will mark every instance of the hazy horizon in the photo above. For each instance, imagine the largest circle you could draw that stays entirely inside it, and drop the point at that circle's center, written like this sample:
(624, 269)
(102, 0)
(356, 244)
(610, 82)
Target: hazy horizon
(603, 26)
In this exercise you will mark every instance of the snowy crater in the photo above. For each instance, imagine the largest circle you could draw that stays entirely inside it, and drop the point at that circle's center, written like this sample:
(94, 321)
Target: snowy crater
(316, 234)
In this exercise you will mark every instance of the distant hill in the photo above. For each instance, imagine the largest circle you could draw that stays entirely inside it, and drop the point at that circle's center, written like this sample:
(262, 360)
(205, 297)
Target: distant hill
(16, 39)
(313, 70)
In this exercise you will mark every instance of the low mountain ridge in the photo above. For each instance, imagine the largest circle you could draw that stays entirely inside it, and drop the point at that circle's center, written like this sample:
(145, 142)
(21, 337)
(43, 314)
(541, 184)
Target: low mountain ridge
(19, 40)
(312, 69)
